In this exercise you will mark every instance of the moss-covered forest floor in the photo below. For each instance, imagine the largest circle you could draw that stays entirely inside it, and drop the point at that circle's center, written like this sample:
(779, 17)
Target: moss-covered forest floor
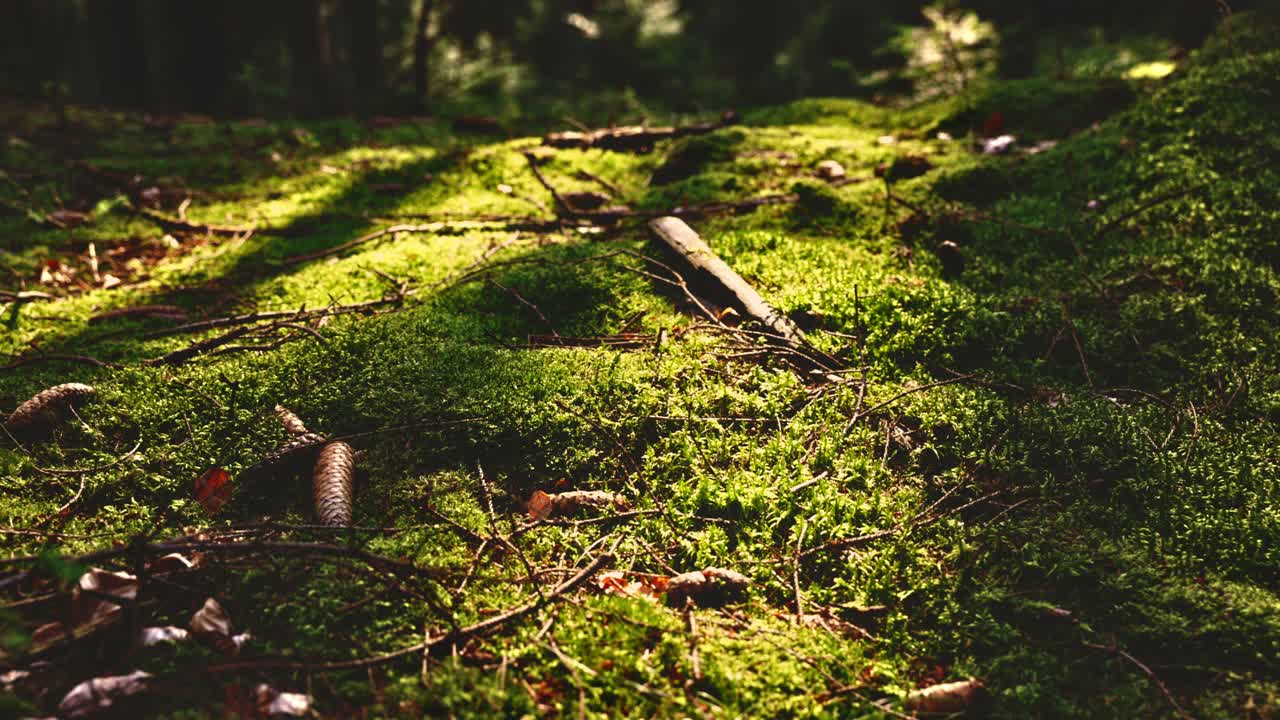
(1035, 439)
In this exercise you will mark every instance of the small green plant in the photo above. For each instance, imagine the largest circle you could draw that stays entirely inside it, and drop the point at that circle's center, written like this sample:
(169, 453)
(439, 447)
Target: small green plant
(948, 55)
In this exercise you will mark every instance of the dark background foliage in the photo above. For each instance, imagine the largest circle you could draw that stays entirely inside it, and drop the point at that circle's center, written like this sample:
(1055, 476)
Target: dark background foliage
(508, 57)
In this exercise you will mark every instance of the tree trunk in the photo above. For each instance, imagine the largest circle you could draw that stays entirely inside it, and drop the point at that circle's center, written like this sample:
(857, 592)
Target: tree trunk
(422, 50)
(120, 54)
(309, 82)
(366, 53)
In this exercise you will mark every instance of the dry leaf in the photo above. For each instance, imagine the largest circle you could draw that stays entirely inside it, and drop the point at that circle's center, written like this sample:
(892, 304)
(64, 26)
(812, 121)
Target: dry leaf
(173, 562)
(947, 698)
(91, 606)
(616, 582)
(109, 281)
(331, 484)
(46, 405)
(213, 489)
(711, 587)
(543, 505)
(998, 145)
(93, 696)
(272, 702)
(211, 618)
(212, 625)
(160, 635)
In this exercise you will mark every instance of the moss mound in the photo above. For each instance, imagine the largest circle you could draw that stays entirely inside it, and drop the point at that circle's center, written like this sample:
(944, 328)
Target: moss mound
(1038, 446)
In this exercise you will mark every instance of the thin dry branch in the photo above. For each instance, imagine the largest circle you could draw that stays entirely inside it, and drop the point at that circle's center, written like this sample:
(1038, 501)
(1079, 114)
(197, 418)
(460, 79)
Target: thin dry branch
(184, 226)
(636, 138)
(1151, 675)
(916, 523)
(437, 643)
(446, 227)
(691, 248)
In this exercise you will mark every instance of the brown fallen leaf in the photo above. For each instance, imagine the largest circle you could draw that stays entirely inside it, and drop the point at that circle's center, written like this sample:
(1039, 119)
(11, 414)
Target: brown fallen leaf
(213, 489)
(544, 505)
(711, 587)
(211, 624)
(173, 562)
(46, 406)
(211, 618)
(94, 696)
(617, 582)
(92, 607)
(161, 635)
(273, 703)
(331, 484)
(946, 698)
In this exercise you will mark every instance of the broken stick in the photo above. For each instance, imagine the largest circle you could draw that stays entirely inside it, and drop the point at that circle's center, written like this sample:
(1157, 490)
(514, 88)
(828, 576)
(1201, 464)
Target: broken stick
(635, 138)
(694, 250)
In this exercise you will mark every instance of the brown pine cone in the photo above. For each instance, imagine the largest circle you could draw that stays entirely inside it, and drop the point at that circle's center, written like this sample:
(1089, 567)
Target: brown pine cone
(331, 484)
(292, 423)
(290, 457)
(46, 405)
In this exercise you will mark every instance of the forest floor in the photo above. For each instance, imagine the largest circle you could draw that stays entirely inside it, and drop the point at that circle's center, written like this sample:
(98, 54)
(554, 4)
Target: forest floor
(1031, 436)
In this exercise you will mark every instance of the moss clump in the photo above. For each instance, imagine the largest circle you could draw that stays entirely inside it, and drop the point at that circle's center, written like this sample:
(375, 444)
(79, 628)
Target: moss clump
(819, 202)
(1036, 108)
(1068, 442)
(693, 155)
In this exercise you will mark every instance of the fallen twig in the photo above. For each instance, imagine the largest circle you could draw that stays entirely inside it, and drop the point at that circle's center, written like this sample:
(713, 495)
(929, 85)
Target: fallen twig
(916, 523)
(442, 641)
(51, 357)
(859, 415)
(1151, 675)
(298, 315)
(24, 296)
(1148, 205)
(458, 226)
(633, 137)
(184, 226)
(694, 250)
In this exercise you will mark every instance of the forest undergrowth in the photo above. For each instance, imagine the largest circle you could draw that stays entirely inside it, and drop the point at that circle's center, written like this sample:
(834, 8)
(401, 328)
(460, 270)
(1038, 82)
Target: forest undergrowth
(1027, 444)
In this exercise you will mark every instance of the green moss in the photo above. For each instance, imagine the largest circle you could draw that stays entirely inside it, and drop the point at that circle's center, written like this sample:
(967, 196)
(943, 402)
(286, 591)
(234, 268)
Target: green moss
(1111, 456)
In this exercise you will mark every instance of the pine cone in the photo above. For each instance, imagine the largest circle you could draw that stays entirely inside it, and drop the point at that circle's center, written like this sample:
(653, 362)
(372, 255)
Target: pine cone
(46, 405)
(331, 484)
(292, 456)
(292, 423)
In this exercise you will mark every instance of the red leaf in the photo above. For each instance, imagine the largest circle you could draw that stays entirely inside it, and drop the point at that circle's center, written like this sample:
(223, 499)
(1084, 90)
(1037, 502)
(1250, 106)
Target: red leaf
(213, 489)
(994, 124)
(539, 505)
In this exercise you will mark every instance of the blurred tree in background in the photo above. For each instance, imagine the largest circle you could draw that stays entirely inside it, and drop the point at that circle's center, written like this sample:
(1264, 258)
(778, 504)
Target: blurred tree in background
(549, 58)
